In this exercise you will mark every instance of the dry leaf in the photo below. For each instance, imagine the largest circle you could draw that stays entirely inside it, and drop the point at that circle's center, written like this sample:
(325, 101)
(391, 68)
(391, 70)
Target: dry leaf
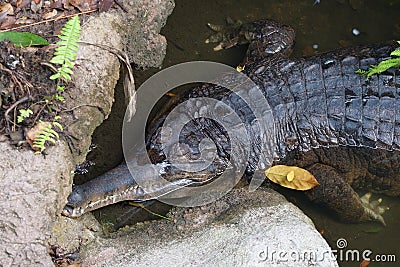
(105, 5)
(32, 133)
(84, 5)
(24, 20)
(21, 4)
(8, 22)
(291, 177)
(36, 6)
(50, 14)
(6, 9)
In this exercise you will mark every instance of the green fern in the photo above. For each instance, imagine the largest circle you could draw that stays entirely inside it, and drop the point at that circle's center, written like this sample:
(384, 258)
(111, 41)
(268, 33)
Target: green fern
(65, 53)
(46, 134)
(382, 66)
(24, 113)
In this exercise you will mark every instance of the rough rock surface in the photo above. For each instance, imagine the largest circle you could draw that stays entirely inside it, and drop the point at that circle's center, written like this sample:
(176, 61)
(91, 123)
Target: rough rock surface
(241, 229)
(34, 188)
(31, 194)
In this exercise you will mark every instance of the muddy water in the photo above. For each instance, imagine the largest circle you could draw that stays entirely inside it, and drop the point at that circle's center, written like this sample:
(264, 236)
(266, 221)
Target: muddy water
(320, 27)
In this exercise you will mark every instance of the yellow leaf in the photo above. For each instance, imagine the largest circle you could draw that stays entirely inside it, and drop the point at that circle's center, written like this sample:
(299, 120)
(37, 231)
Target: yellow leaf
(291, 177)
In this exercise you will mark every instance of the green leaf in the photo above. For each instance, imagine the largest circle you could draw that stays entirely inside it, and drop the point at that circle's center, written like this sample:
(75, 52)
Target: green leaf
(24, 113)
(58, 125)
(21, 39)
(65, 53)
(395, 53)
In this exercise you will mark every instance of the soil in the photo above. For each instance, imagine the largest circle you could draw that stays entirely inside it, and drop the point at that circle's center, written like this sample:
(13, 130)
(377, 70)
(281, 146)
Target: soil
(25, 72)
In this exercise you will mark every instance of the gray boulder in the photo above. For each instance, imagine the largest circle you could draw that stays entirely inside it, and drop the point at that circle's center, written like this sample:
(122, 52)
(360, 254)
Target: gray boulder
(242, 229)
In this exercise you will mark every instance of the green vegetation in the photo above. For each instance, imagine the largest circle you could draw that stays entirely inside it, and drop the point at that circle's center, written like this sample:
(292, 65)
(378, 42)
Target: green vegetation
(21, 39)
(24, 113)
(383, 66)
(64, 55)
(45, 133)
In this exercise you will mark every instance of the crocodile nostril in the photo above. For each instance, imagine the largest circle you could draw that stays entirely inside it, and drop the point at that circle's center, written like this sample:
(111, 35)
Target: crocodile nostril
(67, 211)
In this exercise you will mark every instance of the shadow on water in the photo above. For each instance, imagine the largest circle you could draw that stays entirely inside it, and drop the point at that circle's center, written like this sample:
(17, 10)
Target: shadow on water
(327, 25)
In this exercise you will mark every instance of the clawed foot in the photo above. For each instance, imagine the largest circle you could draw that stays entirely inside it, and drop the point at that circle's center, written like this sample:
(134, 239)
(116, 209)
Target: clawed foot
(229, 35)
(373, 209)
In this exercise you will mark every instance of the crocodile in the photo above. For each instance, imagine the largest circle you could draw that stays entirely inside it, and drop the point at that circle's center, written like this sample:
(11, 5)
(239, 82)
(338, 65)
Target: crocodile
(343, 128)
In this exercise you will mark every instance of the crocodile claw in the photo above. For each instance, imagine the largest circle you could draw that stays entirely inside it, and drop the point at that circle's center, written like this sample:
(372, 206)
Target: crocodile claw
(229, 35)
(373, 209)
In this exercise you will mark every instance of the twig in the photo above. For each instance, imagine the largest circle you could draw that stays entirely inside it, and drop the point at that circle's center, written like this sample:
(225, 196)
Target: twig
(120, 5)
(49, 20)
(129, 88)
(39, 112)
(13, 77)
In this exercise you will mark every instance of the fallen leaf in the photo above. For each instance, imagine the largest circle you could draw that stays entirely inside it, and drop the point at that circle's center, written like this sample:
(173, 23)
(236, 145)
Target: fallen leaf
(21, 4)
(33, 132)
(6, 9)
(84, 5)
(24, 20)
(57, 4)
(8, 22)
(291, 177)
(36, 6)
(21, 39)
(50, 14)
(105, 5)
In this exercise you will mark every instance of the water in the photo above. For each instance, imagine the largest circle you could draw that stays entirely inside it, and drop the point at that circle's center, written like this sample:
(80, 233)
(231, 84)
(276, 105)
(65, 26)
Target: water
(328, 25)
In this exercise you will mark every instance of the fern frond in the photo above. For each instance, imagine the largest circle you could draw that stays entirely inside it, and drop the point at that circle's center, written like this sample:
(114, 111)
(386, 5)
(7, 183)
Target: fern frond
(382, 66)
(43, 132)
(65, 53)
(395, 53)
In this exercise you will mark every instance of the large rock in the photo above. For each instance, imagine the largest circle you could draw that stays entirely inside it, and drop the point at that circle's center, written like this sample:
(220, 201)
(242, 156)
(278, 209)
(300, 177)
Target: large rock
(241, 229)
(34, 188)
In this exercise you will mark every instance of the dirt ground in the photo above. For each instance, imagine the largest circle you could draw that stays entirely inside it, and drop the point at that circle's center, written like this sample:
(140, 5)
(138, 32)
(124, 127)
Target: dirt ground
(25, 72)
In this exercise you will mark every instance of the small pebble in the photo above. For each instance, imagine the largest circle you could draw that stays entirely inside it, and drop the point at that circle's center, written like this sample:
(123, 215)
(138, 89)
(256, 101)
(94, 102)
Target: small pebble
(315, 46)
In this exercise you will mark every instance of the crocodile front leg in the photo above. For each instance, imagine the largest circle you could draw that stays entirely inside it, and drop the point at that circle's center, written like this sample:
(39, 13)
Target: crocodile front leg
(335, 193)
